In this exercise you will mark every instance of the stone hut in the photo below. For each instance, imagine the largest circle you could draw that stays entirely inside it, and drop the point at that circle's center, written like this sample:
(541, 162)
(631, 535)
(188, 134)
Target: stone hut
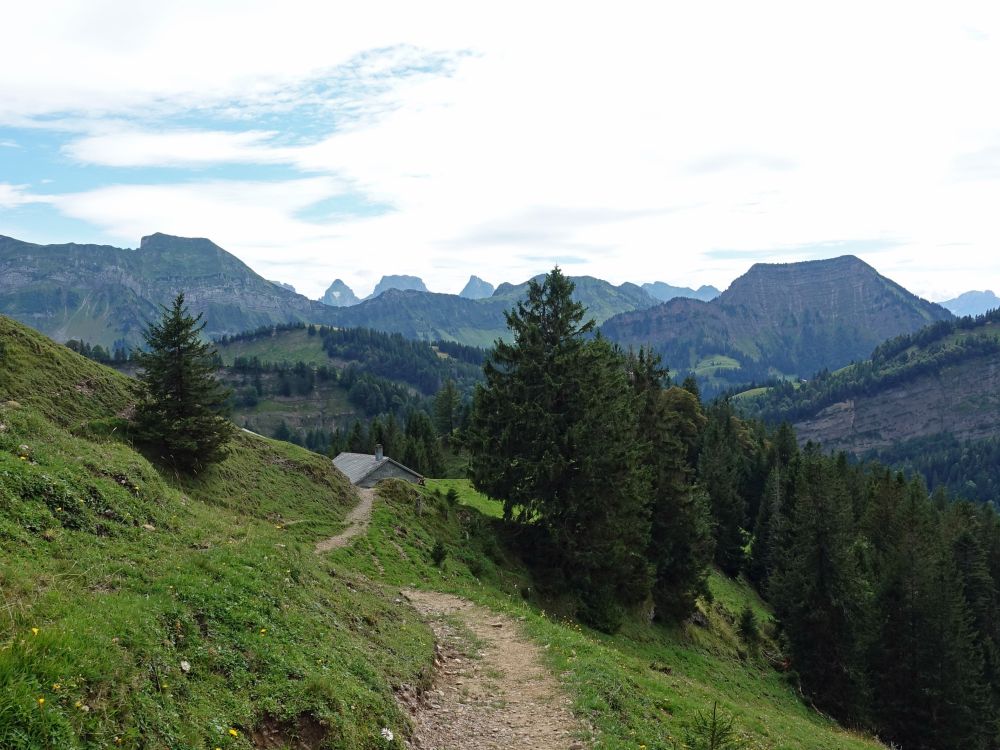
(365, 470)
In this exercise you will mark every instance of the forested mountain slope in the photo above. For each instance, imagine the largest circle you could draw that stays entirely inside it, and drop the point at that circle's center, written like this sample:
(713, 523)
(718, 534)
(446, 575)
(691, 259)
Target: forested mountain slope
(944, 379)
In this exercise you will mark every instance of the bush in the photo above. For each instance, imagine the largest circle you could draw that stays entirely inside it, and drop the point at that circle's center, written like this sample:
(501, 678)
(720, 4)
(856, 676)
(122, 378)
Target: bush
(747, 626)
(439, 553)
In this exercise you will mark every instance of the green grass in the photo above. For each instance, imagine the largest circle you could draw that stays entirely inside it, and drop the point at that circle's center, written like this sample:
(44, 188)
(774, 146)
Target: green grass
(285, 346)
(115, 575)
(713, 363)
(468, 496)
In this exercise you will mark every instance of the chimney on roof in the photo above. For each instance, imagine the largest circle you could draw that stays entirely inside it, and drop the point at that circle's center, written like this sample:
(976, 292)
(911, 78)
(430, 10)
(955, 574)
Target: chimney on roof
(378, 451)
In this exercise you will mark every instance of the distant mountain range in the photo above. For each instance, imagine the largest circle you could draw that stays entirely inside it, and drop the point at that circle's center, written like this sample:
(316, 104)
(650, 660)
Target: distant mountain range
(973, 303)
(105, 295)
(479, 322)
(341, 295)
(778, 320)
(665, 292)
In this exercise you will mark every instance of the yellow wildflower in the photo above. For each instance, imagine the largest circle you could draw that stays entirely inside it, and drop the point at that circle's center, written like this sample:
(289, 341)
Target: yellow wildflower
(234, 732)
(56, 686)
(263, 631)
(34, 631)
(41, 701)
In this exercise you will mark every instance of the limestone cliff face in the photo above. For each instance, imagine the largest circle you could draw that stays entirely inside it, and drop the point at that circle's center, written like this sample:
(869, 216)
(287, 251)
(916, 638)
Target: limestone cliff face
(961, 399)
(791, 319)
(105, 294)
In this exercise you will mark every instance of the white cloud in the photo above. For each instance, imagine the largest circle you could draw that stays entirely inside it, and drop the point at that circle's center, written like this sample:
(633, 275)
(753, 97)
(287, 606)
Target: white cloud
(636, 138)
(131, 148)
(14, 196)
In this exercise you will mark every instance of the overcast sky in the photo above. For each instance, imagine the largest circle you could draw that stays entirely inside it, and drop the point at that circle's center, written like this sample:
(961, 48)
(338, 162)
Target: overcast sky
(667, 141)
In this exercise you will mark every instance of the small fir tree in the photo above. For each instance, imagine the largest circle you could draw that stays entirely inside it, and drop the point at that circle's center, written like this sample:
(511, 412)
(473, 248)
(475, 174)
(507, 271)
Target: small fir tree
(183, 410)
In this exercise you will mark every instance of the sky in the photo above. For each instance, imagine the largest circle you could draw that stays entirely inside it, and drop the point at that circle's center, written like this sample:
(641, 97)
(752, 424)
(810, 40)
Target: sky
(679, 142)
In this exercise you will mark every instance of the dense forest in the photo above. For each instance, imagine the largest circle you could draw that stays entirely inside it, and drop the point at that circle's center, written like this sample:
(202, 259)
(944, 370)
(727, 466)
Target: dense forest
(969, 469)
(624, 487)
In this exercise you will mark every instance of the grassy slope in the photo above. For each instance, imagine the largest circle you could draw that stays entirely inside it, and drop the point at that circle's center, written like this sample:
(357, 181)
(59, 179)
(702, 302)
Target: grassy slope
(127, 572)
(285, 346)
(113, 573)
(641, 686)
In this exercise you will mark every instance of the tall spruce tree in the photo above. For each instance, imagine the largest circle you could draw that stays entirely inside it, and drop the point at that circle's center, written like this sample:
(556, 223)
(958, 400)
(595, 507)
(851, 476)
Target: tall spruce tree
(182, 414)
(720, 470)
(553, 435)
(670, 421)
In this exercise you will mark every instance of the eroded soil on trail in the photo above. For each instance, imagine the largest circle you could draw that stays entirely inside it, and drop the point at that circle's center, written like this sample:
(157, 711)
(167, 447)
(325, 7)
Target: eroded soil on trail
(357, 522)
(491, 690)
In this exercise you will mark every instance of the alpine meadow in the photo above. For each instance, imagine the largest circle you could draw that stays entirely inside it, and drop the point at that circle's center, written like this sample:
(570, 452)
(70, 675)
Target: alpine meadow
(512, 377)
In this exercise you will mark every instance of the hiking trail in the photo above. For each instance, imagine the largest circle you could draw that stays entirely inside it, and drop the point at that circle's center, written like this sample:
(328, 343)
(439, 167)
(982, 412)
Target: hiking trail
(491, 690)
(357, 523)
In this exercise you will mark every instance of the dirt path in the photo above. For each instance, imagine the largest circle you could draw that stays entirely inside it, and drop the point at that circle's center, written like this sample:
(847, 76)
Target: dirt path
(357, 522)
(491, 691)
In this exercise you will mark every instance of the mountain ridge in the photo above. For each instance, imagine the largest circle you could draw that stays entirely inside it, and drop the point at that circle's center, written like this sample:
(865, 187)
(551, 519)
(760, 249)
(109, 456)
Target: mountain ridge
(778, 320)
(105, 295)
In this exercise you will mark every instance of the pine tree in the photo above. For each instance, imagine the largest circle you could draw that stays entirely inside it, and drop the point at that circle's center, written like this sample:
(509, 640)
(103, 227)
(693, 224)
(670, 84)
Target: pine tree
(182, 414)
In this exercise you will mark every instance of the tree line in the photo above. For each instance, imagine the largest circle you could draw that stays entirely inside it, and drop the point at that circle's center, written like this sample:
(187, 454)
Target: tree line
(387, 355)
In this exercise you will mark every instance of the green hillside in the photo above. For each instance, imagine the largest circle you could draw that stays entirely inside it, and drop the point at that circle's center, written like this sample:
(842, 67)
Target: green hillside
(318, 378)
(146, 611)
(115, 575)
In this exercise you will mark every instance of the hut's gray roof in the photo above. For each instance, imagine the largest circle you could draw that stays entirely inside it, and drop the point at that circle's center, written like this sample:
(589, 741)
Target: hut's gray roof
(359, 465)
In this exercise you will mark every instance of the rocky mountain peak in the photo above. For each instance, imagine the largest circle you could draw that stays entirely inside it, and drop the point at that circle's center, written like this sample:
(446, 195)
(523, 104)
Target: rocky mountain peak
(398, 281)
(476, 288)
(339, 295)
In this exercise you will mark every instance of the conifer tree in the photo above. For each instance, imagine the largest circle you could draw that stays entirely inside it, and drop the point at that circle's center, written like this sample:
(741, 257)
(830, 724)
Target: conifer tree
(553, 435)
(818, 593)
(926, 672)
(669, 423)
(720, 465)
(447, 408)
(182, 414)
